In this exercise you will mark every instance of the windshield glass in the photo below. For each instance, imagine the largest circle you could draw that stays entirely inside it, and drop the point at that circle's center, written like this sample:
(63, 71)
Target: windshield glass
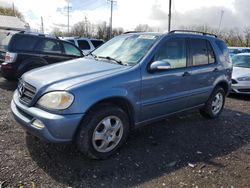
(129, 49)
(241, 61)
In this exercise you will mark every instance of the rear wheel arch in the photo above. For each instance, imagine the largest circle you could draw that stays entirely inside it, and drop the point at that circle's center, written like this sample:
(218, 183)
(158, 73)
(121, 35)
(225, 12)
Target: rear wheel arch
(224, 85)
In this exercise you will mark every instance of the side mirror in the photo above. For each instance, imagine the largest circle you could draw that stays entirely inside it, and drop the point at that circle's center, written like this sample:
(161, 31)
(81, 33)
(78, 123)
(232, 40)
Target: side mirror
(159, 65)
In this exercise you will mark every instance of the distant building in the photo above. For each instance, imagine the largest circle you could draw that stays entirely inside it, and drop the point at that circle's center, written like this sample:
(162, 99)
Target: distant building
(13, 23)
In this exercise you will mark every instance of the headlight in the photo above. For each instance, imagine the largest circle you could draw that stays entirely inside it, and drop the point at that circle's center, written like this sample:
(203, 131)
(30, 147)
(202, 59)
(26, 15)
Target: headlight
(246, 78)
(57, 100)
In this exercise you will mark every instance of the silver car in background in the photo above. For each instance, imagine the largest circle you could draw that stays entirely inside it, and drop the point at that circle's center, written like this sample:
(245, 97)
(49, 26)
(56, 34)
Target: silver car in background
(241, 73)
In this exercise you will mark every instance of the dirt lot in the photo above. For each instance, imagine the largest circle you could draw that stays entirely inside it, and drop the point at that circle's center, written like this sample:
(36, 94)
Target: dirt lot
(182, 151)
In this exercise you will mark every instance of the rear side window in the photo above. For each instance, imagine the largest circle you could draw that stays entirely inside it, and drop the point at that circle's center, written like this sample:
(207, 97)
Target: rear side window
(199, 52)
(49, 46)
(71, 50)
(97, 43)
(83, 45)
(23, 43)
(173, 51)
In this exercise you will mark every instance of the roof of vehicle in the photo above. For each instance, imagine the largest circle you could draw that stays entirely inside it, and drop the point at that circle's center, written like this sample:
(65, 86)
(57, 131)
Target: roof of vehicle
(37, 34)
(175, 32)
(239, 48)
(79, 38)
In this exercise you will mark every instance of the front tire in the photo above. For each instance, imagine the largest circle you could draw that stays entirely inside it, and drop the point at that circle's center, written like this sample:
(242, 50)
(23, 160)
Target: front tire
(103, 131)
(215, 104)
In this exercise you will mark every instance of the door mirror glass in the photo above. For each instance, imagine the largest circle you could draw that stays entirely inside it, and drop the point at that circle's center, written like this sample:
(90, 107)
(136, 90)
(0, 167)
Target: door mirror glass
(159, 65)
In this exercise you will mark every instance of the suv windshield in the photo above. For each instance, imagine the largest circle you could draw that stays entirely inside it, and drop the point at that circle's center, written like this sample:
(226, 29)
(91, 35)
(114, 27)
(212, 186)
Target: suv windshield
(129, 49)
(241, 61)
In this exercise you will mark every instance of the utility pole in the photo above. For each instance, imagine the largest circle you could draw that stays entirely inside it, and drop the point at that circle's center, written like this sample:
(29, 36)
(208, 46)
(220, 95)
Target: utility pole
(221, 16)
(86, 26)
(169, 15)
(111, 17)
(13, 9)
(68, 15)
(42, 29)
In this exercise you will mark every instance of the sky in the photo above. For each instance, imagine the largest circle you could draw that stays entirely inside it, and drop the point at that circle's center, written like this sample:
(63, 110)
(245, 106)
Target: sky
(129, 13)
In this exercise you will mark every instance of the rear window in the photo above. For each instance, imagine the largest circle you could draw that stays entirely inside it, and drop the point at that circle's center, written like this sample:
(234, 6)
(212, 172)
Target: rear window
(83, 44)
(97, 43)
(23, 43)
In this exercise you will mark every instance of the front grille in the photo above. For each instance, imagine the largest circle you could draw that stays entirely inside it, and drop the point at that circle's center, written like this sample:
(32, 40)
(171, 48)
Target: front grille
(234, 81)
(26, 92)
(244, 90)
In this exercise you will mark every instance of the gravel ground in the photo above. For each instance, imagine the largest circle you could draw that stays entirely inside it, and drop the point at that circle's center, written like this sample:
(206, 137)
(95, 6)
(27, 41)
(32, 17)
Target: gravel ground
(182, 151)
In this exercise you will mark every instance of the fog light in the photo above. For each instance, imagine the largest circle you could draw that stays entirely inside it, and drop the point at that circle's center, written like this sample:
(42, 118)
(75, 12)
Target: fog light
(38, 124)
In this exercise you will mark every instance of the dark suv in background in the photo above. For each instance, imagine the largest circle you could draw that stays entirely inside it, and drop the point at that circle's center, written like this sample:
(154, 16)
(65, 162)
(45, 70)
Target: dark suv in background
(27, 51)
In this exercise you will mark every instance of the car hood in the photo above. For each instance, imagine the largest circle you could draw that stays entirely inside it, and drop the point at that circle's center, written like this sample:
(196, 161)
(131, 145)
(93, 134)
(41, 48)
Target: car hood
(240, 72)
(61, 76)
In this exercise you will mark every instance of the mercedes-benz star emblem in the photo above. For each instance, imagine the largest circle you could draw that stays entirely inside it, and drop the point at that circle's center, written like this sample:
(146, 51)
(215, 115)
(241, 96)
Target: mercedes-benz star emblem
(21, 89)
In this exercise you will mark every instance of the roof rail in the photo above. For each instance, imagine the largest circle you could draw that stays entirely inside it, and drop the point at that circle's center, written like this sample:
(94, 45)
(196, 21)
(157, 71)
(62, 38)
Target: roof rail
(194, 32)
(132, 32)
(38, 34)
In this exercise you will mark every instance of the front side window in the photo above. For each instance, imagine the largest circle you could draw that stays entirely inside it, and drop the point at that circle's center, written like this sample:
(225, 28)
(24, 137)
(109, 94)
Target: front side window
(83, 45)
(71, 50)
(199, 52)
(50, 46)
(173, 51)
(129, 49)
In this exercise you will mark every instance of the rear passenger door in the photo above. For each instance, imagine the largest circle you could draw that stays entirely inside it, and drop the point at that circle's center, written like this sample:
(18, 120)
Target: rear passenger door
(204, 70)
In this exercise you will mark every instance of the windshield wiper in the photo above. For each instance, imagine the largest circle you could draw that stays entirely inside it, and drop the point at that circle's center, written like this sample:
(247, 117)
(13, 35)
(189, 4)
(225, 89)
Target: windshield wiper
(112, 59)
(93, 55)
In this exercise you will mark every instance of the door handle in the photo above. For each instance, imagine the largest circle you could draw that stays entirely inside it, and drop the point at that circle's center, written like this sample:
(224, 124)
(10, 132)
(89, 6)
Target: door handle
(216, 70)
(186, 74)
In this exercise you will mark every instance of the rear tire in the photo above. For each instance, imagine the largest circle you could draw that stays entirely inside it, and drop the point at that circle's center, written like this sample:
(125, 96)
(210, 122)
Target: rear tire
(103, 131)
(215, 104)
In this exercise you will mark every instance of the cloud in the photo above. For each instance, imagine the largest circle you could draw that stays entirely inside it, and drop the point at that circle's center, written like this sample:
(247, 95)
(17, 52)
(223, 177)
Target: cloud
(130, 13)
(209, 16)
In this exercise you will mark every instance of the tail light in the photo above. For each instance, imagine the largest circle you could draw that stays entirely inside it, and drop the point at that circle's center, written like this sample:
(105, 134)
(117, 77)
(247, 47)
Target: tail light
(10, 57)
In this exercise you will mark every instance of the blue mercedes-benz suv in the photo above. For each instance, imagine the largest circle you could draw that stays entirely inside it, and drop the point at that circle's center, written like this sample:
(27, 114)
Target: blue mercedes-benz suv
(132, 80)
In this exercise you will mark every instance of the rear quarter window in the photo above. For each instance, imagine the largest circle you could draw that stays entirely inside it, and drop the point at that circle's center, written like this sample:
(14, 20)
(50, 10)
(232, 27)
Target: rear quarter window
(23, 43)
(223, 48)
(96, 43)
(83, 45)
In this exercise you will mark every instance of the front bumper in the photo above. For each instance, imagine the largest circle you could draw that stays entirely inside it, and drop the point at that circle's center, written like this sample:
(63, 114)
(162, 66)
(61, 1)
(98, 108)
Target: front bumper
(57, 129)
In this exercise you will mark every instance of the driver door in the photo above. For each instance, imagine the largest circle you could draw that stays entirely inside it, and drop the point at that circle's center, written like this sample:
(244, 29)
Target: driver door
(167, 91)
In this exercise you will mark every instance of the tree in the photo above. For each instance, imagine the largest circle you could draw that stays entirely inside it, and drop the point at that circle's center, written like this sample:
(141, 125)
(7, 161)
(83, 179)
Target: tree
(10, 12)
